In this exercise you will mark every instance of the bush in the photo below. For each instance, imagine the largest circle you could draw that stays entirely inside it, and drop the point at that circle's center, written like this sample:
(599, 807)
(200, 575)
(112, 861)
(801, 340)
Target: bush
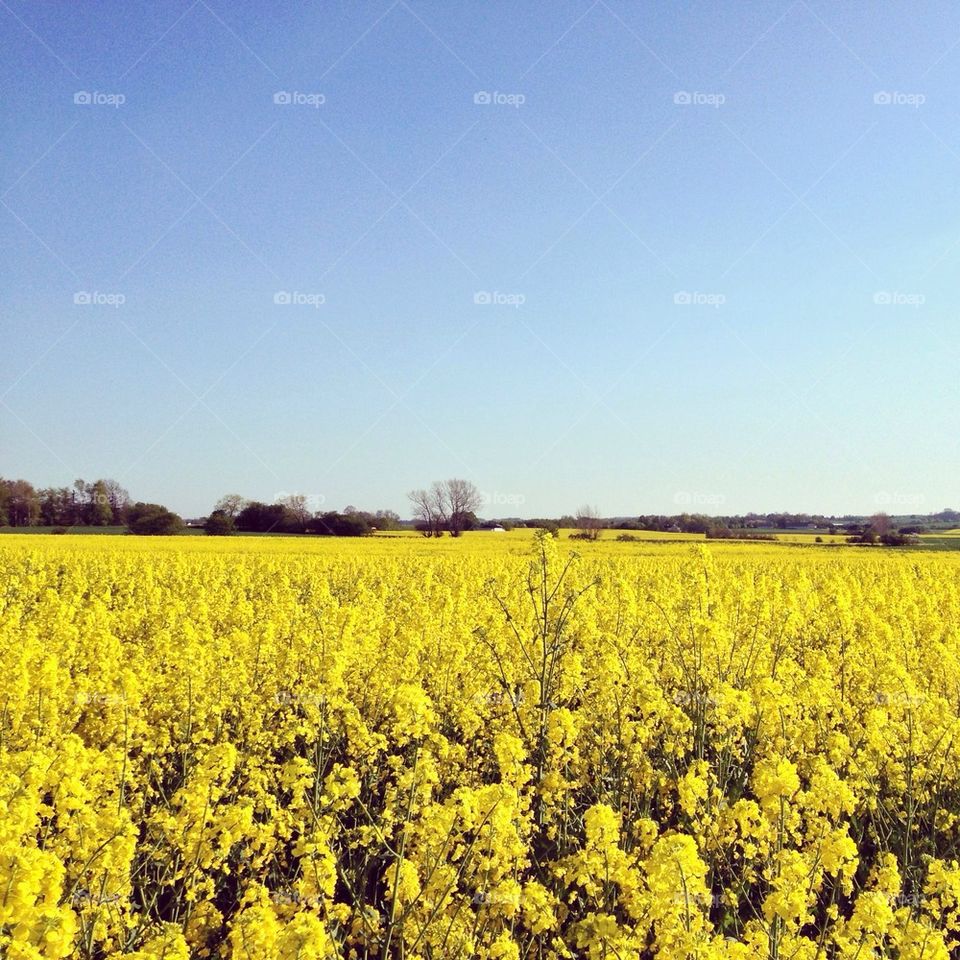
(894, 539)
(551, 526)
(726, 533)
(258, 517)
(152, 519)
(220, 524)
(333, 524)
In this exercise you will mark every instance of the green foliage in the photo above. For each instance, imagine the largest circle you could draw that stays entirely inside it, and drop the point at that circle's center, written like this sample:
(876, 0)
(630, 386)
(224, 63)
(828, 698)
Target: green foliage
(333, 524)
(257, 517)
(220, 524)
(152, 519)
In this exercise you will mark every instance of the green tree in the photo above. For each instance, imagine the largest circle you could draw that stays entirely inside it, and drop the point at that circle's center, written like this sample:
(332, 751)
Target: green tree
(22, 503)
(220, 524)
(56, 506)
(152, 519)
(100, 511)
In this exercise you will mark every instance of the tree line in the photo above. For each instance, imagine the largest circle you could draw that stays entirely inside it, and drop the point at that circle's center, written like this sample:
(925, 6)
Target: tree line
(294, 514)
(446, 507)
(102, 503)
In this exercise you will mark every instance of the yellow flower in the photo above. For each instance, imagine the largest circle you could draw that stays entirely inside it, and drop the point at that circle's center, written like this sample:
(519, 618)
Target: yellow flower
(775, 779)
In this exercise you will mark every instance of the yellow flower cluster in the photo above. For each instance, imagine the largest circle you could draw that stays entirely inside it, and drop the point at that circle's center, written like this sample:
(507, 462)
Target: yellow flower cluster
(260, 749)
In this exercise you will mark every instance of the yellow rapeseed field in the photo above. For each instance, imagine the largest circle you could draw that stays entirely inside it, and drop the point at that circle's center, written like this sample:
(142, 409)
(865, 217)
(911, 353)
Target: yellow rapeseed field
(263, 748)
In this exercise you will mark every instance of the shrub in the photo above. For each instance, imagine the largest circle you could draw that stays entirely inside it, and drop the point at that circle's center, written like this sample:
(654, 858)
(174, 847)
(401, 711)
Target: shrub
(152, 519)
(333, 524)
(220, 524)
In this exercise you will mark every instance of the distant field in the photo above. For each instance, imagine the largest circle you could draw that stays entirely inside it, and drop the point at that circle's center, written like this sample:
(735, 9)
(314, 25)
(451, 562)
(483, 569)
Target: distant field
(645, 540)
(943, 540)
(517, 542)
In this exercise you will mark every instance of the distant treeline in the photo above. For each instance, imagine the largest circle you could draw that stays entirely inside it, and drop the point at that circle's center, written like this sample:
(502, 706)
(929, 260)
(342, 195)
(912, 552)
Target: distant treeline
(294, 514)
(444, 508)
(102, 503)
(721, 527)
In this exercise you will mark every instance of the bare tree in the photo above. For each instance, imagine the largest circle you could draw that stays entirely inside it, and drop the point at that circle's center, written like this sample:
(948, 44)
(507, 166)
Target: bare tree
(880, 524)
(438, 503)
(428, 509)
(299, 506)
(445, 506)
(462, 499)
(230, 504)
(589, 523)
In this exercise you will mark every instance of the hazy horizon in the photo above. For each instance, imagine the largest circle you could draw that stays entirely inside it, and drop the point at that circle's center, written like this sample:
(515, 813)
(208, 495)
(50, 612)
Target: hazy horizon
(651, 259)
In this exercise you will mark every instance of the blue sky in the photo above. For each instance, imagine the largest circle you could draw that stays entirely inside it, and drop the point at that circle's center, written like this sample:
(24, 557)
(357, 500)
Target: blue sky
(651, 256)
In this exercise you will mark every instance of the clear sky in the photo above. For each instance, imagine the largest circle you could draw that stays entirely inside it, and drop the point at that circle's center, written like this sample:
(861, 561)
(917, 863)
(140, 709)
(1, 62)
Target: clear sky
(652, 256)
